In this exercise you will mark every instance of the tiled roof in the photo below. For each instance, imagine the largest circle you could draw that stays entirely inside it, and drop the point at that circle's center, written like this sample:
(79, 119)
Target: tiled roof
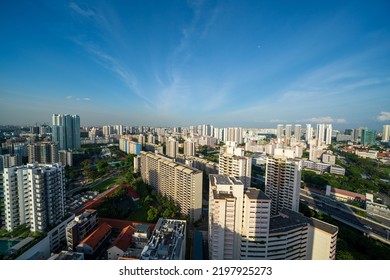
(124, 239)
(95, 237)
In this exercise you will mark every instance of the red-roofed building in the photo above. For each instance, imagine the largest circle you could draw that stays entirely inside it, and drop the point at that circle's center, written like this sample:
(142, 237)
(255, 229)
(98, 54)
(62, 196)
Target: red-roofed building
(344, 195)
(92, 243)
(121, 244)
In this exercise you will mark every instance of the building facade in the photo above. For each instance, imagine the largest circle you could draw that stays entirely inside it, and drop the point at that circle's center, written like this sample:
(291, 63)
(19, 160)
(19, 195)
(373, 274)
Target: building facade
(180, 183)
(34, 195)
(66, 131)
(232, 162)
(283, 182)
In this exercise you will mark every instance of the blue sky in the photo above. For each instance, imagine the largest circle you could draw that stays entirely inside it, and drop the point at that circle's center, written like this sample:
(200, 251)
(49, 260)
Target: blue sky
(172, 63)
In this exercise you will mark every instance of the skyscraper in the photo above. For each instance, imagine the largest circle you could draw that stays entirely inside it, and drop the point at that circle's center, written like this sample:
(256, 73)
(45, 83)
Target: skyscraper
(66, 131)
(309, 132)
(283, 182)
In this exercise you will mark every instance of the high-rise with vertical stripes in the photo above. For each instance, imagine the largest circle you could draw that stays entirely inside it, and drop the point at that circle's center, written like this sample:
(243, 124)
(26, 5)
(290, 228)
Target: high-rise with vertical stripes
(66, 131)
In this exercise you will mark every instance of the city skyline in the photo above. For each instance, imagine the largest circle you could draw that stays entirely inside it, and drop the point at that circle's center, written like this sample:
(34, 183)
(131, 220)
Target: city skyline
(182, 63)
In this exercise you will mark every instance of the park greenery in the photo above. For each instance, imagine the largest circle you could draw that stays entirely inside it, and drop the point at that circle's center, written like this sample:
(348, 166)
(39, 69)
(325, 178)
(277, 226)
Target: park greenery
(361, 175)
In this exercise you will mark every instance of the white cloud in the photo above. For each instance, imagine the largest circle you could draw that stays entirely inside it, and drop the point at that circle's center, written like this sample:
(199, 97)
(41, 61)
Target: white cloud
(87, 99)
(384, 116)
(69, 97)
(277, 121)
(325, 120)
(83, 12)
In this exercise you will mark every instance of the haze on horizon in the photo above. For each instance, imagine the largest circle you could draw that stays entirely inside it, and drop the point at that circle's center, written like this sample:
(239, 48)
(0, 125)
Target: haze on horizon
(179, 63)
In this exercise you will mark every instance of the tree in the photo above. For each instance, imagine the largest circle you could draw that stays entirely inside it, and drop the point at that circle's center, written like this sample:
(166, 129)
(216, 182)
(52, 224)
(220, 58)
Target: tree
(152, 214)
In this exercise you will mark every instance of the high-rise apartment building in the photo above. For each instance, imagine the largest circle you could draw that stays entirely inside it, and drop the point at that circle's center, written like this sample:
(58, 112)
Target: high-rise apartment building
(172, 148)
(43, 152)
(241, 227)
(66, 131)
(34, 195)
(283, 182)
(233, 162)
(189, 148)
(279, 131)
(386, 133)
(297, 132)
(180, 183)
(309, 133)
(324, 134)
(236, 218)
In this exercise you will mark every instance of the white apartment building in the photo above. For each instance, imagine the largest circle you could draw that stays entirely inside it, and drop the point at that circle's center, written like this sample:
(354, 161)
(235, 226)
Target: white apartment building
(189, 148)
(181, 183)
(172, 148)
(34, 195)
(283, 182)
(232, 162)
(238, 219)
(241, 227)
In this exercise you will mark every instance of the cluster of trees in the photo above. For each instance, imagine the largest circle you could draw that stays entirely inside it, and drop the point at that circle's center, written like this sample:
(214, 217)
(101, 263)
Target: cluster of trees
(154, 203)
(362, 175)
(117, 205)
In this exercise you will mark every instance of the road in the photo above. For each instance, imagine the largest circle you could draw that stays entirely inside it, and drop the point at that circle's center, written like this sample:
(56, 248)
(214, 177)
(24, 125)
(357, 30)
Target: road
(345, 214)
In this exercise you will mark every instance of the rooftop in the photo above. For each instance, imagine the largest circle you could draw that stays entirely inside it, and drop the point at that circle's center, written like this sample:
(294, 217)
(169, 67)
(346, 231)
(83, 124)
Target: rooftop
(123, 241)
(287, 219)
(331, 229)
(166, 241)
(253, 193)
(225, 180)
(95, 237)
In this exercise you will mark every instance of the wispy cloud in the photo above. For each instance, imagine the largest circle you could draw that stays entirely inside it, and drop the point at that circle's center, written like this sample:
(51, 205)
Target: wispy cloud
(87, 99)
(384, 116)
(325, 120)
(69, 97)
(85, 12)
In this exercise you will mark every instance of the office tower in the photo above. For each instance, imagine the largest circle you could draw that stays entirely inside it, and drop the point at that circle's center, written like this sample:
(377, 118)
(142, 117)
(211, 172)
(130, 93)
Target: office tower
(66, 131)
(189, 148)
(279, 131)
(172, 148)
(176, 181)
(283, 182)
(368, 137)
(232, 162)
(237, 218)
(80, 227)
(43, 152)
(34, 195)
(386, 133)
(297, 132)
